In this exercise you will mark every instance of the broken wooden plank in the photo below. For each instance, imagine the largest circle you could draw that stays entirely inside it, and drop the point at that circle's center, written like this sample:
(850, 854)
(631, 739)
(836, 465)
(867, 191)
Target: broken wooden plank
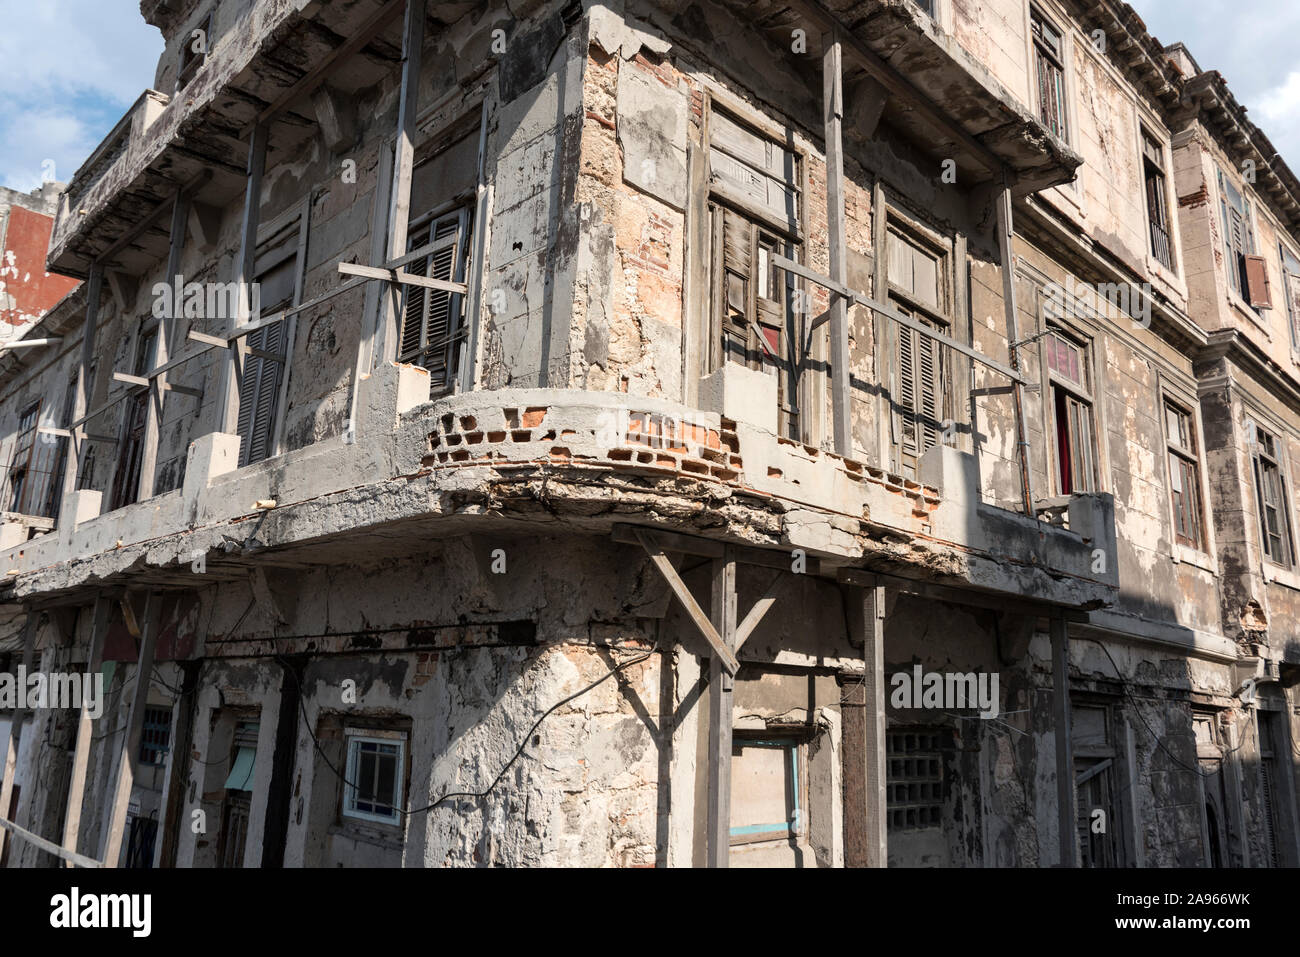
(401, 276)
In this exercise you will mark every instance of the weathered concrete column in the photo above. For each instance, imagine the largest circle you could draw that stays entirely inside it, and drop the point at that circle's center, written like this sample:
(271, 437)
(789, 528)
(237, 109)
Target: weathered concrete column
(129, 758)
(1066, 797)
(85, 728)
(16, 730)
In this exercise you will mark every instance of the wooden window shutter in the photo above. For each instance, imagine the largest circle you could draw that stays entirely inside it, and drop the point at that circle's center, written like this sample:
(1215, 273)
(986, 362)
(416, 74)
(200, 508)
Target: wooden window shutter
(906, 399)
(928, 393)
(1259, 292)
(259, 393)
(431, 317)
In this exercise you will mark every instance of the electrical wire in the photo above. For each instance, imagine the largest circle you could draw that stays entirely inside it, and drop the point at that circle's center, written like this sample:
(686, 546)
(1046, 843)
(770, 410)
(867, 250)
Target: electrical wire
(506, 767)
(1151, 731)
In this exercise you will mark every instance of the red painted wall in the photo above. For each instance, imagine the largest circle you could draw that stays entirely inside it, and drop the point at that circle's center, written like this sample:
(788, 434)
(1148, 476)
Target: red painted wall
(27, 291)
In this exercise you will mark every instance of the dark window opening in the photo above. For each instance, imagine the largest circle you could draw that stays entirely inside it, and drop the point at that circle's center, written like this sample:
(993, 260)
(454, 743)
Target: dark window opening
(1184, 476)
(1153, 171)
(1049, 62)
(1271, 500)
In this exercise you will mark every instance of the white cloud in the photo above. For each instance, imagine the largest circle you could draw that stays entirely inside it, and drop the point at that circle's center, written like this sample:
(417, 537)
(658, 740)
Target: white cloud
(69, 69)
(1278, 115)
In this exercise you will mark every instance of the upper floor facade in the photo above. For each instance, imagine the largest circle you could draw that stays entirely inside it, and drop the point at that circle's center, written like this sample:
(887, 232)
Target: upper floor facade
(624, 224)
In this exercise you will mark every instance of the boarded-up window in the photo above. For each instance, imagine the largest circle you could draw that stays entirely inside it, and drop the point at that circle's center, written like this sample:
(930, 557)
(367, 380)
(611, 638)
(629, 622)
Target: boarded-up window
(754, 168)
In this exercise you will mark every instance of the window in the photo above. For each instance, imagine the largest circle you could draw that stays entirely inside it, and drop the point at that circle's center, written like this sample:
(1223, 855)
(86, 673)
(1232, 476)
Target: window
(20, 464)
(432, 318)
(236, 806)
(917, 288)
(1291, 293)
(374, 777)
(194, 50)
(754, 302)
(754, 215)
(156, 736)
(1184, 476)
(126, 480)
(1072, 427)
(275, 271)
(1247, 273)
(1153, 172)
(1275, 784)
(1100, 816)
(1271, 499)
(914, 778)
(766, 799)
(927, 6)
(1049, 62)
(443, 185)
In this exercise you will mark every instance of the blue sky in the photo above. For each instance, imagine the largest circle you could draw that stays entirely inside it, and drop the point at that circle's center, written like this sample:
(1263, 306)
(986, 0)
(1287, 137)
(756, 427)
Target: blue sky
(69, 69)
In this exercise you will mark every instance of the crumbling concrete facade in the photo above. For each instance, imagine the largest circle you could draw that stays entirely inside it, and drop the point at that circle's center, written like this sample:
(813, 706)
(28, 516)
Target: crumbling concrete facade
(521, 515)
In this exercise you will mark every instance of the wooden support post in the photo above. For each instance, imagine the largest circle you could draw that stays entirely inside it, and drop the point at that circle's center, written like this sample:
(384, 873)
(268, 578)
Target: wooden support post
(1065, 790)
(129, 758)
(836, 239)
(1006, 235)
(85, 728)
(721, 689)
(228, 405)
(16, 728)
(81, 397)
(162, 352)
(873, 656)
(404, 159)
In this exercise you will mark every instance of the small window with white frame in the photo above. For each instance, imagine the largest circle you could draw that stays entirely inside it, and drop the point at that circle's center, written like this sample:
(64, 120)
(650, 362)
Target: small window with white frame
(375, 775)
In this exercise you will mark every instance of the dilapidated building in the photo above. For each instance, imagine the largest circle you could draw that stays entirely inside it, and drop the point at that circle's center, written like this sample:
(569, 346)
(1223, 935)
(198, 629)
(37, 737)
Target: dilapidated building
(665, 433)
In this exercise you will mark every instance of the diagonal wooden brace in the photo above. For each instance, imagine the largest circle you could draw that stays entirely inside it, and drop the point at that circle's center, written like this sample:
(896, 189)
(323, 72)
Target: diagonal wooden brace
(665, 566)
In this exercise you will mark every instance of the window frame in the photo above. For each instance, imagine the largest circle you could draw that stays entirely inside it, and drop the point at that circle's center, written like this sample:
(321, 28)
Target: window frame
(188, 63)
(277, 235)
(793, 405)
(941, 316)
(441, 130)
(1157, 167)
(1040, 48)
(1285, 253)
(357, 736)
(1277, 459)
(1186, 455)
(1083, 394)
(1237, 282)
(796, 827)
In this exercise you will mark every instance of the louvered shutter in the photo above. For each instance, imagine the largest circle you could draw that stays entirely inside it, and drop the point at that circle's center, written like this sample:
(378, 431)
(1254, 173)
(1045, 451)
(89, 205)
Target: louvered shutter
(906, 399)
(259, 393)
(1266, 773)
(928, 392)
(431, 317)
